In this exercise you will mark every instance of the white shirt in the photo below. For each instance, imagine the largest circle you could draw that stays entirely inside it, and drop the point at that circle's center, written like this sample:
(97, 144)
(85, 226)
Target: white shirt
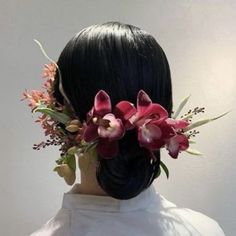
(147, 214)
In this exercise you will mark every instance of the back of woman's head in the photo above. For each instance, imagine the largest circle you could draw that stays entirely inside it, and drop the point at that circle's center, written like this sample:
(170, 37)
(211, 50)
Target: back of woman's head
(120, 59)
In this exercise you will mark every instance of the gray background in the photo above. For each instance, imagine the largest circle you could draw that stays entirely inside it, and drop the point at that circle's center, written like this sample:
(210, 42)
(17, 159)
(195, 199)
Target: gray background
(199, 38)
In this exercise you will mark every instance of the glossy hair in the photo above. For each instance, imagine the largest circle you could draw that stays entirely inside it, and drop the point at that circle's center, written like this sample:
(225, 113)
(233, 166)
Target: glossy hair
(120, 59)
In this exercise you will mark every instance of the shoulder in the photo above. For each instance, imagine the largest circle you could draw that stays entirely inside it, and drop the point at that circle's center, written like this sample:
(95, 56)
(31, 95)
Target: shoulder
(56, 225)
(192, 219)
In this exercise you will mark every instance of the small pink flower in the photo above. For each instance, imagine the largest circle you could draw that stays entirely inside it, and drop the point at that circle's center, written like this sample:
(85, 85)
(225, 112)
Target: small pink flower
(49, 70)
(25, 95)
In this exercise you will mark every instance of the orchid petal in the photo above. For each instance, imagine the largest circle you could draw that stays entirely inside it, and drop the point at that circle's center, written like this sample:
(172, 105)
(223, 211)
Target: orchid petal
(149, 137)
(177, 124)
(143, 101)
(150, 132)
(173, 147)
(154, 111)
(128, 125)
(183, 142)
(90, 133)
(167, 130)
(102, 103)
(124, 110)
(177, 143)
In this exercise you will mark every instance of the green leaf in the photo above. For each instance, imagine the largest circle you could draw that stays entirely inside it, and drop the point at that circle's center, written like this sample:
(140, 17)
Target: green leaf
(193, 152)
(164, 167)
(70, 160)
(158, 173)
(55, 169)
(57, 116)
(179, 109)
(191, 141)
(202, 122)
(60, 160)
(90, 146)
(93, 153)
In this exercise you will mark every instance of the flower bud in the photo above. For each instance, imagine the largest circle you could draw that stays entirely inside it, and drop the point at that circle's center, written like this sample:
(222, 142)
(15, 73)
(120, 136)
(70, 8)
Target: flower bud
(72, 128)
(75, 122)
(68, 174)
(58, 170)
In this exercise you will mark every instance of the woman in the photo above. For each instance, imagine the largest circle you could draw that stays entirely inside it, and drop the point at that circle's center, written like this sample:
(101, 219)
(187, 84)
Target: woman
(117, 196)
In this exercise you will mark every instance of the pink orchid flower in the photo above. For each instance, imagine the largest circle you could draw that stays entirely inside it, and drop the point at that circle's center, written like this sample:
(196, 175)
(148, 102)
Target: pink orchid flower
(132, 117)
(179, 142)
(104, 126)
(153, 134)
(155, 129)
(148, 118)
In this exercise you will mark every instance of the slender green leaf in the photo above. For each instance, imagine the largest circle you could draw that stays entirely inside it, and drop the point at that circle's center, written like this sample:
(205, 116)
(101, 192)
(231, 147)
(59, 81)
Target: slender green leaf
(55, 169)
(58, 116)
(193, 152)
(158, 173)
(164, 167)
(90, 145)
(202, 122)
(191, 141)
(179, 109)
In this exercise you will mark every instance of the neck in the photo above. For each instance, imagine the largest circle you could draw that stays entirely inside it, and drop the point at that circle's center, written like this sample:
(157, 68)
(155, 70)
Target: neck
(89, 184)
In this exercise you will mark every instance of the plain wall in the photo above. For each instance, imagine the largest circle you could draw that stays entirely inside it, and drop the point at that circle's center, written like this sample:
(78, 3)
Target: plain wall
(199, 38)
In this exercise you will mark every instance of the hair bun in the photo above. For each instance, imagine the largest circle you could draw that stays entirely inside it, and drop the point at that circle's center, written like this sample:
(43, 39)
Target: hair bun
(130, 172)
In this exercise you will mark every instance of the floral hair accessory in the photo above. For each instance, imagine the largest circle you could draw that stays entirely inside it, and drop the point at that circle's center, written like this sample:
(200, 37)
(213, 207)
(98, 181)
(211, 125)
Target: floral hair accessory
(105, 126)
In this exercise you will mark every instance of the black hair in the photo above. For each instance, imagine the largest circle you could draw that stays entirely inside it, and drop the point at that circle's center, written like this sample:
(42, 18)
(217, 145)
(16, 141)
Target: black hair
(120, 59)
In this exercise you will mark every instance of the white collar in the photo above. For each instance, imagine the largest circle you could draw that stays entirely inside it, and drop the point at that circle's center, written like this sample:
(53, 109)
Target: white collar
(107, 203)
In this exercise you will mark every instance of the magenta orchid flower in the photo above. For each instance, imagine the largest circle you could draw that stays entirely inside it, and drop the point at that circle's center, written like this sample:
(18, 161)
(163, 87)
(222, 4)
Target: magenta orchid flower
(179, 142)
(104, 126)
(155, 128)
(148, 118)
(154, 133)
(145, 110)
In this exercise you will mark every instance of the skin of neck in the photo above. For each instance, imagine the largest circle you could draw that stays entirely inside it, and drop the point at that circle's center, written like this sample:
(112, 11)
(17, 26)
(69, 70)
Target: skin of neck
(87, 164)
